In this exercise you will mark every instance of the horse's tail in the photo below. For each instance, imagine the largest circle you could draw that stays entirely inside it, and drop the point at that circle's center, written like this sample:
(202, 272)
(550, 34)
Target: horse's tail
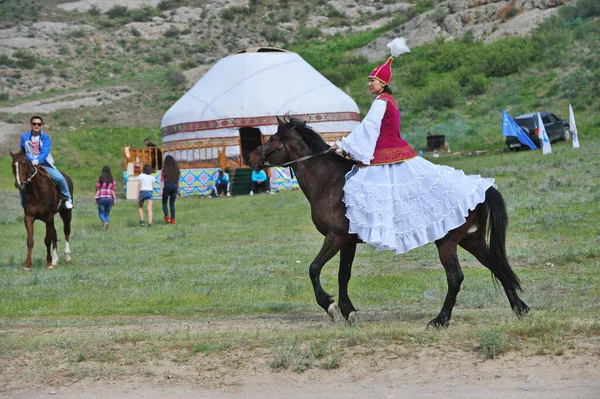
(497, 227)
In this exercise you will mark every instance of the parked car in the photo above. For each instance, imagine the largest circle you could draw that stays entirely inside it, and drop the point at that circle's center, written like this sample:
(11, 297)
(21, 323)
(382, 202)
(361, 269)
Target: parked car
(556, 128)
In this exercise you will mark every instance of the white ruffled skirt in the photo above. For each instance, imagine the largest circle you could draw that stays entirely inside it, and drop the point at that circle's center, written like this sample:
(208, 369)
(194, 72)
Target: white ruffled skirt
(405, 205)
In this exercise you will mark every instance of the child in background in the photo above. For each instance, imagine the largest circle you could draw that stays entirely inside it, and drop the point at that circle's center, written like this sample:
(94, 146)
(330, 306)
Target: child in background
(145, 187)
(105, 195)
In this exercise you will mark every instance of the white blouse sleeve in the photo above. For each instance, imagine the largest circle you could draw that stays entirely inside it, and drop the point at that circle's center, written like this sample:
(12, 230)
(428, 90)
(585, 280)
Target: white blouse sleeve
(360, 143)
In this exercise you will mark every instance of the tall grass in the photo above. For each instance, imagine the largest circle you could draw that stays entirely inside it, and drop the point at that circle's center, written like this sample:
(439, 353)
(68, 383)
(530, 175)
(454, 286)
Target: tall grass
(244, 255)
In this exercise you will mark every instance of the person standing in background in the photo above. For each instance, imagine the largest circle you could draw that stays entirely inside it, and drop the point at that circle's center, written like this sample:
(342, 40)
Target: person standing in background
(105, 195)
(145, 187)
(155, 154)
(170, 187)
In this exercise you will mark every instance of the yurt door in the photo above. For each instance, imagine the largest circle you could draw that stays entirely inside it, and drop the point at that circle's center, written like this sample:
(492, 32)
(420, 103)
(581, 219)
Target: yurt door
(250, 139)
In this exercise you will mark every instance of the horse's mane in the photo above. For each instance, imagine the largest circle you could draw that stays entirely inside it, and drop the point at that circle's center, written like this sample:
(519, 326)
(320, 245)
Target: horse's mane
(312, 139)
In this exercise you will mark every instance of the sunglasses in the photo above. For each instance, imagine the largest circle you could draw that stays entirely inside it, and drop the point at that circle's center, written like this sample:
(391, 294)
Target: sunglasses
(36, 124)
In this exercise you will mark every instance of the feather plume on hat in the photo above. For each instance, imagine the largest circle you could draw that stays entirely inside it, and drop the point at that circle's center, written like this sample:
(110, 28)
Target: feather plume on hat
(383, 73)
(398, 46)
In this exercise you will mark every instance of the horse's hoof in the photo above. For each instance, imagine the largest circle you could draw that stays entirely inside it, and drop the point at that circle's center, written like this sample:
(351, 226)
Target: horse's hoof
(27, 269)
(522, 310)
(353, 318)
(68, 261)
(334, 312)
(50, 267)
(438, 323)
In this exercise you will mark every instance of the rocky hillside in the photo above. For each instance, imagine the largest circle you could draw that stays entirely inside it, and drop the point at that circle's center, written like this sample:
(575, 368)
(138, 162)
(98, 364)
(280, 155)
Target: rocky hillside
(109, 62)
(77, 43)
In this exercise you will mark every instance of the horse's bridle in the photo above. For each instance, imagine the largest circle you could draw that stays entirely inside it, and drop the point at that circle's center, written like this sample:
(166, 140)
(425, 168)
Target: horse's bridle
(264, 154)
(31, 176)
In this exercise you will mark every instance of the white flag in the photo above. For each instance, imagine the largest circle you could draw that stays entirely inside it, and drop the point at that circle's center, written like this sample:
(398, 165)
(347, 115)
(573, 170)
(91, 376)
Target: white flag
(546, 149)
(573, 127)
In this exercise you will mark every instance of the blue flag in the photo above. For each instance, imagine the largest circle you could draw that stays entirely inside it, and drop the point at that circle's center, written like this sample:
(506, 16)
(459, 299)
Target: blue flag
(510, 128)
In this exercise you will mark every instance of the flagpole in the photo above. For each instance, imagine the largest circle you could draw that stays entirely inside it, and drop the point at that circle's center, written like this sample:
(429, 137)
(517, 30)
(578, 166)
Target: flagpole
(502, 148)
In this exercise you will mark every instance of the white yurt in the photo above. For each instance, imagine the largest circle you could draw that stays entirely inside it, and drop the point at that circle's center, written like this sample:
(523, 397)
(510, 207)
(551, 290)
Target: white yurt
(231, 110)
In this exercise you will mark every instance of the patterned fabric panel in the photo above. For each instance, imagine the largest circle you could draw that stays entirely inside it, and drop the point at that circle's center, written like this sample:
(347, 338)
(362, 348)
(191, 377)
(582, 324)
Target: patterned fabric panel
(202, 181)
(282, 179)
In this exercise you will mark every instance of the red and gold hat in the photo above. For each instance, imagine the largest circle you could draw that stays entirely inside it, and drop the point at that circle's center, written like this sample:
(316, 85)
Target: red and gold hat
(383, 73)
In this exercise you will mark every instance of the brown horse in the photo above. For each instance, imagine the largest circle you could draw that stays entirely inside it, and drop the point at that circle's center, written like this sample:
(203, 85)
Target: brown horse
(41, 200)
(321, 176)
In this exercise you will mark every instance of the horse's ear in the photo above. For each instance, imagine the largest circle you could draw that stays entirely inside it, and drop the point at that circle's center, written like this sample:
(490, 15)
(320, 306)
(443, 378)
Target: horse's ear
(279, 121)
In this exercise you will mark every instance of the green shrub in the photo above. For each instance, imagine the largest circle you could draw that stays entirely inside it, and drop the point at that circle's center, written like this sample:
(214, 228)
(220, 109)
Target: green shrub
(491, 343)
(165, 5)
(143, 14)
(440, 95)
(576, 84)
(188, 64)
(172, 31)
(228, 14)
(78, 33)
(477, 85)
(446, 57)
(334, 75)
(175, 77)
(135, 32)
(117, 12)
(25, 59)
(4, 96)
(309, 33)
(47, 70)
(438, 15)
(94, 10)
(6, 61)
(588, 8)
(503, 58)
(274, 35)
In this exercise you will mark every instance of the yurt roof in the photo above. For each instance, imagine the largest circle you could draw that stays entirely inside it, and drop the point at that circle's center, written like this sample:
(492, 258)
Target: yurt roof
(249, 89)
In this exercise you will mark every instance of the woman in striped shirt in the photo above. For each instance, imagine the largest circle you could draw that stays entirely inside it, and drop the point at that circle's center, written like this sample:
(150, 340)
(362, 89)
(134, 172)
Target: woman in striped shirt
(105, 195)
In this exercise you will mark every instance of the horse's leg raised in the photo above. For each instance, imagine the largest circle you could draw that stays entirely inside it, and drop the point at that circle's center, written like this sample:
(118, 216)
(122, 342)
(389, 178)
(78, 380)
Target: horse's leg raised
(346, 258)
(29, 221)
(476, 245)
(66, 215)
(50, 241)
(454, 276)
(330, 247)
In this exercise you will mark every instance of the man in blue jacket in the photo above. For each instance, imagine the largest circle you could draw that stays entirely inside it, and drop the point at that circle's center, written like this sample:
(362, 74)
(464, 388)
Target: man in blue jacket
(222, 183)
(37, 145)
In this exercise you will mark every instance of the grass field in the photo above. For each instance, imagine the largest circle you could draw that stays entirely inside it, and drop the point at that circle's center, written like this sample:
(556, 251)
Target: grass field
(239, 260)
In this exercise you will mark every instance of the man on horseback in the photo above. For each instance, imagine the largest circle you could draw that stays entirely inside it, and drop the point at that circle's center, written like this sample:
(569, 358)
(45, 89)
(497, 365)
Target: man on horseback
(37, 145)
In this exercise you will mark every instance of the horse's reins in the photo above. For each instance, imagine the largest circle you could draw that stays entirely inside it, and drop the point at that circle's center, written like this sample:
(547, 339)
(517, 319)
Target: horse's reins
(264, 153)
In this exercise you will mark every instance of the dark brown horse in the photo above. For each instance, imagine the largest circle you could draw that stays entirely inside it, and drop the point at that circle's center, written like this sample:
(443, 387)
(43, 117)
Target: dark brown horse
(321, 176)
(41, 200)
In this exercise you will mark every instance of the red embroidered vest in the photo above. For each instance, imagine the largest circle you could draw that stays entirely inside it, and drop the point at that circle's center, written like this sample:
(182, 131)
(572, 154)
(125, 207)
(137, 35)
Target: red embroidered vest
(390, 147)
